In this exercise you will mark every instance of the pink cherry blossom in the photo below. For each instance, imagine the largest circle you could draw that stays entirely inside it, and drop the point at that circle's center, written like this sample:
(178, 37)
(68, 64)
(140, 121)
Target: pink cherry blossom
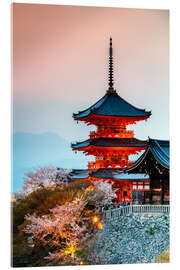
(64, 228)
(44, 177)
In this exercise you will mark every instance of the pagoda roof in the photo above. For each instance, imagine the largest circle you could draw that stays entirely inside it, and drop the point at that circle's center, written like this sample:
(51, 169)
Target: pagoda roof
(160, 151)
(111, 104)
(115, 174)
(79, 174)
(104, 173)
(110, 142)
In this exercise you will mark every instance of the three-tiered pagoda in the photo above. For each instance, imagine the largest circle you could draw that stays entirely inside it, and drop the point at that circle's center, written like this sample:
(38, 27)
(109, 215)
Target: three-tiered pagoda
(111, 143)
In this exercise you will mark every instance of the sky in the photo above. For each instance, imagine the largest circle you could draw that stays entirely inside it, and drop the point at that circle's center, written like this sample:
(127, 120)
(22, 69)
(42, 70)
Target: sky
(60, 66)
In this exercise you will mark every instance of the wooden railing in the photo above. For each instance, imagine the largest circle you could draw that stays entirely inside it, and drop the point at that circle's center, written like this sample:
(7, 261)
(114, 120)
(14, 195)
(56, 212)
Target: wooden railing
(115, 213)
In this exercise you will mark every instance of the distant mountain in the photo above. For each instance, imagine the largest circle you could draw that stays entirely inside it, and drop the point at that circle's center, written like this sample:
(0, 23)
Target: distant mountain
(37, 150)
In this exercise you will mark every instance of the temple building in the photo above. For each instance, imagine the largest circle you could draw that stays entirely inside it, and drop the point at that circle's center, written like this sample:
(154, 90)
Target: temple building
(112, 143)
(155, 163)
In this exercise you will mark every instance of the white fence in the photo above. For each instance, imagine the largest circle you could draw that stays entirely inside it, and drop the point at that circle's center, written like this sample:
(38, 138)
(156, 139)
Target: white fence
(115, 213)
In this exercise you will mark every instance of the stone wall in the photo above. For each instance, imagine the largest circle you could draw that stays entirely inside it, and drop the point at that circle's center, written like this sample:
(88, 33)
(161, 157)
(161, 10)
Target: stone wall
(135, 238)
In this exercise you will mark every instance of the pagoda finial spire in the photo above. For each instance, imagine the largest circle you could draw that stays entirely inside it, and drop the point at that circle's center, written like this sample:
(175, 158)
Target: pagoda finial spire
(111, 87)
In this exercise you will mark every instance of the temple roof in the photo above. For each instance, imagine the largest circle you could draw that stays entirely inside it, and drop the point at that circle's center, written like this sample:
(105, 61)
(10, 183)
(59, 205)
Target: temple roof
(111, 104)
(132, 176)
(115, 174)
(79, 174)
(110, 142)
(160, 151)
(104, 173)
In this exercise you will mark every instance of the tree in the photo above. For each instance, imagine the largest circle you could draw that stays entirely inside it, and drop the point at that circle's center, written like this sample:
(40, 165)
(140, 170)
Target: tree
(107, 189)
(66, 229)
(39, 203)
(44, 177)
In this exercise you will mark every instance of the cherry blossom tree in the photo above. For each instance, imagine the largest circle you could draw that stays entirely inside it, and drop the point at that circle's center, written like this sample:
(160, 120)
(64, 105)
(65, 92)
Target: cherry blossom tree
(107, 189)
(44, 177)
(66, 229)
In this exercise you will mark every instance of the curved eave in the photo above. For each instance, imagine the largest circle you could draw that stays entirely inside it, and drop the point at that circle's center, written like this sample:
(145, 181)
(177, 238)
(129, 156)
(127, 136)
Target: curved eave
(79, 174)
(79, 177)
(159, 154)
(80, 144)
(109, 143)
(87, 111)
(90, 148)
(115, 174)
(93, 115)
(137, 162)
(112, 105)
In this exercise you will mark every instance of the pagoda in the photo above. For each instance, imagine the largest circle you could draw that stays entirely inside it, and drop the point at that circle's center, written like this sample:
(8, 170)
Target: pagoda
(111, 143)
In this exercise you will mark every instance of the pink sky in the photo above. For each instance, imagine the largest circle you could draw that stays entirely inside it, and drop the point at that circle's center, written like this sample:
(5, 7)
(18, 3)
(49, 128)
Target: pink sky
(60, 65)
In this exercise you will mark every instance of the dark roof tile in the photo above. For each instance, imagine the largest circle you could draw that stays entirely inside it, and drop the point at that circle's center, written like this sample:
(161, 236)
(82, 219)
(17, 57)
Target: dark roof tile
(111, 104)
(111, 142)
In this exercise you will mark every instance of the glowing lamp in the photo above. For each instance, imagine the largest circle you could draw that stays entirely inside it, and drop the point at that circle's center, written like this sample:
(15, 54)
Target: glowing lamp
(81, 263)
(99, 226)
(157, 189)
(95, 219)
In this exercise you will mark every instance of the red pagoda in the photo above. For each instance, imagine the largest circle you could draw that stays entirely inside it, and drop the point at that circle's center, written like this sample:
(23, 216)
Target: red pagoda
(111, 143)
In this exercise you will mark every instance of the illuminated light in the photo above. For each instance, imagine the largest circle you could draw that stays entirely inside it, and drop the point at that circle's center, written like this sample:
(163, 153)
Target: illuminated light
(89, 188)
(95, 219)
(99, 226)
(70, 250)
(157, 189)
(81, 263)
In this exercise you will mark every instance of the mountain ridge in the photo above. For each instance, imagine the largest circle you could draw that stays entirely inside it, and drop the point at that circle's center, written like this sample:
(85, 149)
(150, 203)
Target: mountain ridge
(30, 150)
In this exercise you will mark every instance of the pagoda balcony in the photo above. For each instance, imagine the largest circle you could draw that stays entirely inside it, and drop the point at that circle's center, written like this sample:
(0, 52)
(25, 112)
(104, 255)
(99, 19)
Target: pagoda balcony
(109, 165)
(109, 133)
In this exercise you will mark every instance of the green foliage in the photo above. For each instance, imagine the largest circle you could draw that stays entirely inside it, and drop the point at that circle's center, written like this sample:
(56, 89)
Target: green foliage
(83, 256)
(152, 230)
(164, 257)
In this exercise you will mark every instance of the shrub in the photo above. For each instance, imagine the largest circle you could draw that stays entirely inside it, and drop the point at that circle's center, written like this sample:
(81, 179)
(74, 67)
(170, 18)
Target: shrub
(164, 257)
